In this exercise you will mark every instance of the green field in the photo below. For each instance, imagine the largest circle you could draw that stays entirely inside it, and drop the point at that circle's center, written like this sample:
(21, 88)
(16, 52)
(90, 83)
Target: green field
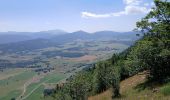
(12, 86)
(38, 94)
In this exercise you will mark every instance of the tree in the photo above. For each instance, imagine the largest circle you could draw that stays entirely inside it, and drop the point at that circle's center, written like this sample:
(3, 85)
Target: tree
(107, 75)
(115, 81)
(99, 80)
(156, 29)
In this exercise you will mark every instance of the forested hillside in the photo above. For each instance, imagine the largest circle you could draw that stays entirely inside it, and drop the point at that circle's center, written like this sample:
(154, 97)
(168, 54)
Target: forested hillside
(151, 54)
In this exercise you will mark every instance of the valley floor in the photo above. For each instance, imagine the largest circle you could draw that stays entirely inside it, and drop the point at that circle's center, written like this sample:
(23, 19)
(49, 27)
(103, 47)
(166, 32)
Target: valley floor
(23, 84)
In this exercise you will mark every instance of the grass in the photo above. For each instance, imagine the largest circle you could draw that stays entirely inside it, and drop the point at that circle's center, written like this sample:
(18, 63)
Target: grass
(55, 78)
(11, 94)
(16, 78)
(103, 96)
(10, 72)
(165, 89)
(38, 93)
(12, 86)
(132, 89)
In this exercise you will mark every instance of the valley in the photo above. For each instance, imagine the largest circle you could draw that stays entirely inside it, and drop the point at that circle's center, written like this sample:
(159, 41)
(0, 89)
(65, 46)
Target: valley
(32, 70)
(84, 49)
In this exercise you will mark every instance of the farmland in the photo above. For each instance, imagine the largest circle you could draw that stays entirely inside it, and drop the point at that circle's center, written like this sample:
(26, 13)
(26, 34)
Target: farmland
(14, 86)
(27, 74)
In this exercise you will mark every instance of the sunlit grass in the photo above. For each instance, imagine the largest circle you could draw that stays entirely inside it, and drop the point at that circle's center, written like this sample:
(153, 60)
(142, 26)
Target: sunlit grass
(165, 89)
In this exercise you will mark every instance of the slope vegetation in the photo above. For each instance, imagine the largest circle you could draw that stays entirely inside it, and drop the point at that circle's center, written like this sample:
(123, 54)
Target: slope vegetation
(132, 89)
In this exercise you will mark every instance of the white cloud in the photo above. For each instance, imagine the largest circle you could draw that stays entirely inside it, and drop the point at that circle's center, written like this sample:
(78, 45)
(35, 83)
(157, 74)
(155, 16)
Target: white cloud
(136, 9)
(93, 15)
(132, 10)
(132, 2)
(128, 10)
(132, 7)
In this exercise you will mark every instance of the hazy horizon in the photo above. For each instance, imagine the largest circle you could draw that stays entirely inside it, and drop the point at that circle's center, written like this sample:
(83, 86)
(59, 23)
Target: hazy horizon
(63, 31)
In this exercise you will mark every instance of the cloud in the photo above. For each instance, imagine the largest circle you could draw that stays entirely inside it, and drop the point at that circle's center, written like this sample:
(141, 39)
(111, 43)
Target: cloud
(127, 11)
(149, 4)
(93, 15)
(136, 9)
(132, 2)
(132, 7)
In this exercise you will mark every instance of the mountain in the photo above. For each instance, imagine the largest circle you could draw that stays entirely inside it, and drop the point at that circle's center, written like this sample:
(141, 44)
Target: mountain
(116, 35)
(55, 32)
(28, 45)
(72, 36)
(101, 35)
(8, 37)
(12, 36)
(43, 41)
(47, 34)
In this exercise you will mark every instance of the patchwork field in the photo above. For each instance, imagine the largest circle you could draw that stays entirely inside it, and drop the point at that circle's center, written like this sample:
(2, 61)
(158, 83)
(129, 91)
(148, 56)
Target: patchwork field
(24, 85)
(12, 86)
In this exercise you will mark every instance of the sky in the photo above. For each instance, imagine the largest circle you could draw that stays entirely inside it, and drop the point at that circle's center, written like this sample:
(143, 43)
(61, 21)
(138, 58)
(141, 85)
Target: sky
(72, 15)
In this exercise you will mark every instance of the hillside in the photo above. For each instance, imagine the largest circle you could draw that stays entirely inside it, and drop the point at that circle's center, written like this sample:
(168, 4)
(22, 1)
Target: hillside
(132, 89)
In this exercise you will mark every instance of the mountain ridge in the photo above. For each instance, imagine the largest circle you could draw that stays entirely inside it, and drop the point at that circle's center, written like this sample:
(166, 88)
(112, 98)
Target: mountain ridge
(12, 36)
(56, 40)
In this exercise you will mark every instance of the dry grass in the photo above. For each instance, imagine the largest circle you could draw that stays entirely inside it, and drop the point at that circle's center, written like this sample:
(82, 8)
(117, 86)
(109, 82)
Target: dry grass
(124, 86)
(132, 82)
(10, 73)
(133, 89)
(84, 58)
(103, 96)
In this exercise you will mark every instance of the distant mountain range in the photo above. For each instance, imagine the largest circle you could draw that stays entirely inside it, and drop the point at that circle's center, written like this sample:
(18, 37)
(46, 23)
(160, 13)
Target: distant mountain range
(102, 35)
(25, 41)
(12, 36)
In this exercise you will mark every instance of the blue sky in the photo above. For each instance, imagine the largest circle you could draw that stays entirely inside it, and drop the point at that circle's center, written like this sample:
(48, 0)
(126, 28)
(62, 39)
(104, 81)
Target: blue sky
(72, 15)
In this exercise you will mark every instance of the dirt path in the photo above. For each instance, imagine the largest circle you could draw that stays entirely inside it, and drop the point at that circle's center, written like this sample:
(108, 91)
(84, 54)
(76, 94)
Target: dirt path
(34, 90)
(42, 83)
(22, 97)
(35, 79)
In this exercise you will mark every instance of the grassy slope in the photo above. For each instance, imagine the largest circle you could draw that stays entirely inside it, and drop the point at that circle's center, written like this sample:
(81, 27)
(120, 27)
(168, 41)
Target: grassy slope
(133, 89)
